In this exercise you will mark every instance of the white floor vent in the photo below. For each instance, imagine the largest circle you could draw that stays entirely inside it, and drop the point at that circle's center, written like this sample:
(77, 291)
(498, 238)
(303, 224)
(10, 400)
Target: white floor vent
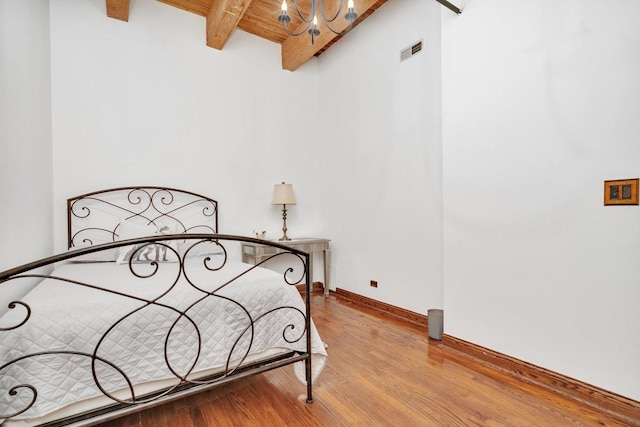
(414, 49)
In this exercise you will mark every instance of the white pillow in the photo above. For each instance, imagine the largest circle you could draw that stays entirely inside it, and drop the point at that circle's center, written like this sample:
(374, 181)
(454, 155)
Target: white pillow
(144, 252)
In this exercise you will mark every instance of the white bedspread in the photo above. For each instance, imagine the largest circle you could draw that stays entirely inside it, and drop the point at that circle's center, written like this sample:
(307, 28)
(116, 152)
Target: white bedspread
(67, 317)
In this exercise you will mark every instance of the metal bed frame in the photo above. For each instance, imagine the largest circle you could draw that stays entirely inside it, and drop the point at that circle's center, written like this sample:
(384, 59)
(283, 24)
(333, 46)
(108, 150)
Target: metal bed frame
(93, 227)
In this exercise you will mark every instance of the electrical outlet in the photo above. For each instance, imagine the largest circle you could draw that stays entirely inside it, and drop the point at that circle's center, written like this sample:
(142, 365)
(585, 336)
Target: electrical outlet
(374, 284)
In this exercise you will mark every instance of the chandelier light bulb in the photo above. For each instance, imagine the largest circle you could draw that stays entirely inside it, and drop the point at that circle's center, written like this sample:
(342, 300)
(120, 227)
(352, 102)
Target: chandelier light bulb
(284, 6)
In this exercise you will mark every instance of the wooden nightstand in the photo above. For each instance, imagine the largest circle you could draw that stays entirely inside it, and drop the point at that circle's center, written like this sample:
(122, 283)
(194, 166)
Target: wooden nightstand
(253, 253)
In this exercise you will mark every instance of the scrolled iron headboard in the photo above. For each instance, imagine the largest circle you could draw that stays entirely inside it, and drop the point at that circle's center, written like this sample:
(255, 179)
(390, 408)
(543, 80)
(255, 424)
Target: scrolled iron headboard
(94, 218)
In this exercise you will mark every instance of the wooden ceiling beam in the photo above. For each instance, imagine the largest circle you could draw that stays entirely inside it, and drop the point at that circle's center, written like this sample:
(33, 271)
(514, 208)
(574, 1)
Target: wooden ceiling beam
(118, 9)
(223, 19)
(296, 50)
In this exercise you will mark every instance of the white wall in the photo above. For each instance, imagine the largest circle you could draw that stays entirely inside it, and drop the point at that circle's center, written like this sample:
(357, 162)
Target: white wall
(381, 131)
(25, 132)
(146, 102)
(540, 106)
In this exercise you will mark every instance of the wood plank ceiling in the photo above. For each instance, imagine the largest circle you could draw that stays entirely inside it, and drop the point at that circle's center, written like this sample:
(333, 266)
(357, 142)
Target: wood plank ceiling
(260, 17)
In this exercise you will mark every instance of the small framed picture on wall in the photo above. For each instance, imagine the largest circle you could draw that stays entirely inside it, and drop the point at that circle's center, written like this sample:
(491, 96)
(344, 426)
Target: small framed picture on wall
(621, 192)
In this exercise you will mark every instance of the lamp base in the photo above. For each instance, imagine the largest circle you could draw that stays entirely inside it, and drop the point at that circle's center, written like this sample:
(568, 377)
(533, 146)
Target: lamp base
(284, 225)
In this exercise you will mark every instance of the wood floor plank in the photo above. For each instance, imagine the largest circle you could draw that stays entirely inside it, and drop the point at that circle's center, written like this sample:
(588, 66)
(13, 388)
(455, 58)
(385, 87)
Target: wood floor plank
(381, 372)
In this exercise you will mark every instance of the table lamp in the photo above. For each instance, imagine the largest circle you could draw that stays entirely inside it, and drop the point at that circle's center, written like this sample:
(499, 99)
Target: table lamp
(283, 195)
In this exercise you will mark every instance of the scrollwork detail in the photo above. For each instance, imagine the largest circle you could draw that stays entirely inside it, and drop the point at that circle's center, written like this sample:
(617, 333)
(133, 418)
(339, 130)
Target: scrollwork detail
(212, 260)
(291, 270)
(208, 262)
(165, 196)
(12, 305)
(208, 207)
(136, 197)
(135, 253)
(13, 391)
(85, 209)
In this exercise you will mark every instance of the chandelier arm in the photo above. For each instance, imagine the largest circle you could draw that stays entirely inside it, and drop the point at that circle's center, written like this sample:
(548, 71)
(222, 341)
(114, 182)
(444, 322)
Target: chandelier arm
(299, 12)
(306, 27)
(339, 33)
(324, 17)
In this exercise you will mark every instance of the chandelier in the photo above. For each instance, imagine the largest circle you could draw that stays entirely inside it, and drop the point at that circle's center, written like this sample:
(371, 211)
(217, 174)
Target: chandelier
(311, 21)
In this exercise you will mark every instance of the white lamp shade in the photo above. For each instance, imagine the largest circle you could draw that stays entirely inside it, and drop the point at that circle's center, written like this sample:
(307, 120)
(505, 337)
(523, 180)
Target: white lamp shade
(283, 195)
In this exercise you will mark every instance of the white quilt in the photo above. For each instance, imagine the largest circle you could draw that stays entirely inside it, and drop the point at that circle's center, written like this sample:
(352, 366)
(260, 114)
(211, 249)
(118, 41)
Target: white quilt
(67, 317)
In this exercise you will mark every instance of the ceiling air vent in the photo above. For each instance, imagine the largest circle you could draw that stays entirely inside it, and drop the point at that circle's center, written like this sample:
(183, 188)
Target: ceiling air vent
(410, 51)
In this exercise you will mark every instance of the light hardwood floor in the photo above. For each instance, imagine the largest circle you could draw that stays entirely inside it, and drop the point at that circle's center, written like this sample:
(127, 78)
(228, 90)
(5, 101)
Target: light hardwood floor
(381, 372)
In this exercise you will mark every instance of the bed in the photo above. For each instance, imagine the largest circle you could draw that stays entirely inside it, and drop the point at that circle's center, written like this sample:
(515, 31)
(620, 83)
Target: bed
(148, 305)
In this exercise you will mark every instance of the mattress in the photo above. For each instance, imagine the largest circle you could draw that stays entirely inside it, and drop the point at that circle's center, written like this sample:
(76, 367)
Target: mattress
(97, 326)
